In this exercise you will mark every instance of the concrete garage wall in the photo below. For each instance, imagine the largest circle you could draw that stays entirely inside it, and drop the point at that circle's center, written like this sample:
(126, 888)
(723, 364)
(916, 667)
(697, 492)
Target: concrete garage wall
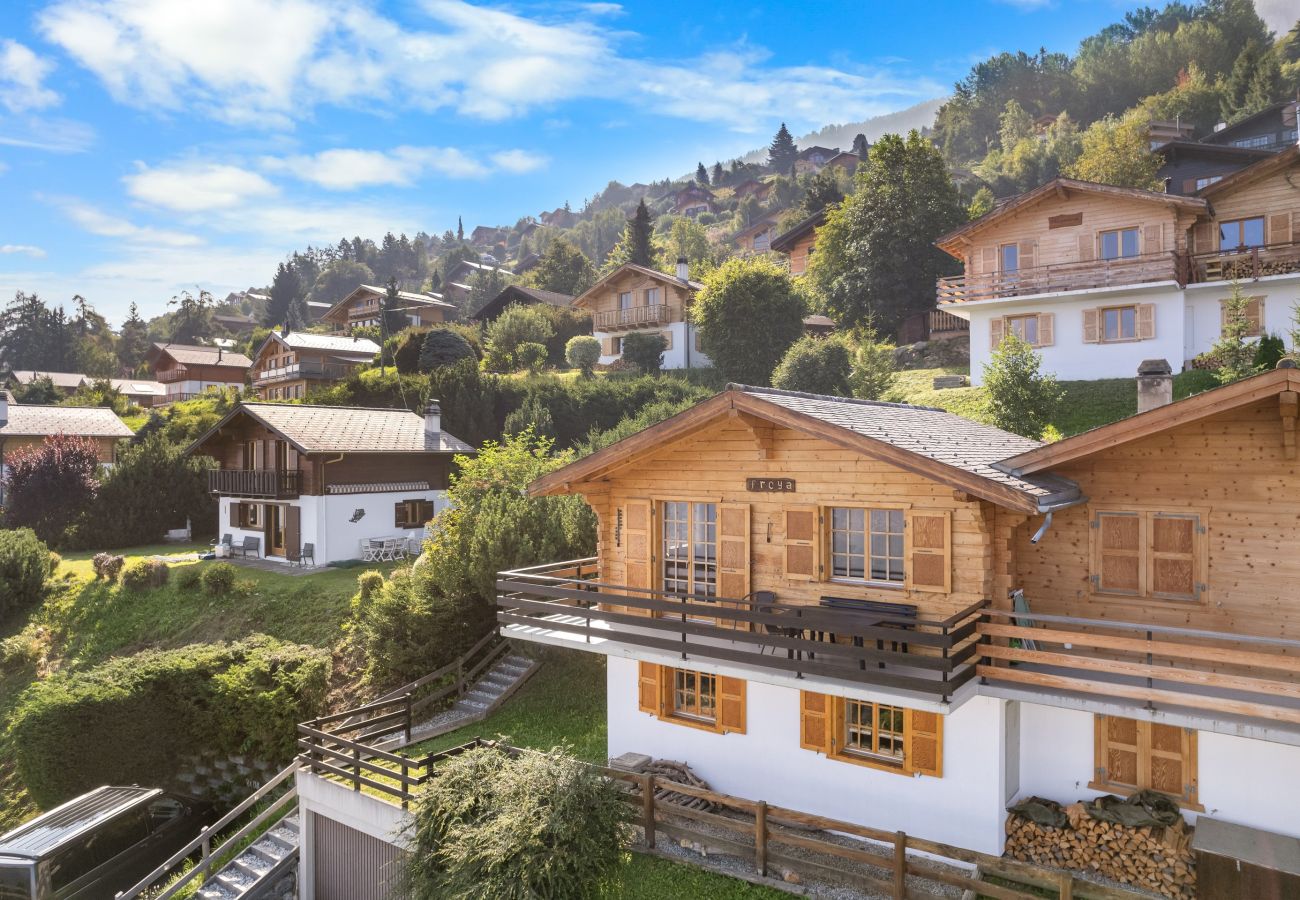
(350, 842)
(964, 807)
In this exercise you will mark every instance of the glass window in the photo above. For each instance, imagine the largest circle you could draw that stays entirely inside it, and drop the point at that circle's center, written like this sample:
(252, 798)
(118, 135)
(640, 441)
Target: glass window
(690, 548)
(1259, 140)
(867, 544)
(695, 695)
(652, 297)
(873, 729)
(1241, 233)
(1119, 323)
(413, 513)
(1119, 244)
(1206, 182)
(1025, 328)
(1009, 258)
(625, 300)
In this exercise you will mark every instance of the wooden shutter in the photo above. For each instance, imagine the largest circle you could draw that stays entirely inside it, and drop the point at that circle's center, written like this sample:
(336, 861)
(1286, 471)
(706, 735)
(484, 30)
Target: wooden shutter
(235, 518)
(1028, 254)
(399, 514)
(923, 737)
(1152, 238)
(1253, 314)
(733, 550)
(638, 555)
(1142, 755)
(1116, 750)
(1086, 244)
(929, 551)
(1118, 558)
(1146, 321)
(1170, 761)
(1279, 228)
(731, 705)
(1203, 237)
(1174, 558)
(649, 697)
(292, 531)
(988, 260)
(814, 721)
(1092, 326)
(997, 330)
(802, 544)
(1046, 329)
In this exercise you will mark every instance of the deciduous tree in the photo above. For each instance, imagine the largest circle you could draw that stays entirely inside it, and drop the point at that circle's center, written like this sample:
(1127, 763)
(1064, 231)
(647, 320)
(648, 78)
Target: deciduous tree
(748, 315)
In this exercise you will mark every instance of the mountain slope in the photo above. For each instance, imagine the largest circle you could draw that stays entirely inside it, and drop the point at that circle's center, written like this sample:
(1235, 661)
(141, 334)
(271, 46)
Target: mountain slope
(919, 116)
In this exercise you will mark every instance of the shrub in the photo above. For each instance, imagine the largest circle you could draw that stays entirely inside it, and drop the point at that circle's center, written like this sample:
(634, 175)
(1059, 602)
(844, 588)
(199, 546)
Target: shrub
(189, 578)
(582, 352)
(24, 565)
(493, 827)
(1021, 399)
(748, 315)
(55, 561)
(645, 351)
(107, 566)
(405, 349)
(874, 367)
(369, 584)
(530, 356)
(132, 719)
(1267, 353)
(517, 325)
(533, 414)
(443, 348)
(219, 579)
(817, 365)
(50, 484)
(144, 574)
(566, 324)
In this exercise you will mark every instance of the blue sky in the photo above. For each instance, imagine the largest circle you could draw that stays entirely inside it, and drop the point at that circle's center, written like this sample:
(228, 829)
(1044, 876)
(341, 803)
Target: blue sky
(150, 146)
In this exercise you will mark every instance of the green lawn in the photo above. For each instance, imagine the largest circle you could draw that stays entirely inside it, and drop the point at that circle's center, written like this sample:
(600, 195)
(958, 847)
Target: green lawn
(652, 878)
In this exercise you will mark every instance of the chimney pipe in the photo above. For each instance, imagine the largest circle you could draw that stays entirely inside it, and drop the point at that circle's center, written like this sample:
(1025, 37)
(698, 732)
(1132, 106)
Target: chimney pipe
(1168, 182)
(4, 407)
(1155, 384)
(433, 418)
(683, 272)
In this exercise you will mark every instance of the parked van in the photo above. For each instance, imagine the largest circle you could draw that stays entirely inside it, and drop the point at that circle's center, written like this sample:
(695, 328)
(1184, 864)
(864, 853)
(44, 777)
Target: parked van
(97, 844)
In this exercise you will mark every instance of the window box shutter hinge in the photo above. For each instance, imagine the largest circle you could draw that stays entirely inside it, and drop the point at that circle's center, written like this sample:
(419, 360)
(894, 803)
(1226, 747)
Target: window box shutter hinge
(1095, 523)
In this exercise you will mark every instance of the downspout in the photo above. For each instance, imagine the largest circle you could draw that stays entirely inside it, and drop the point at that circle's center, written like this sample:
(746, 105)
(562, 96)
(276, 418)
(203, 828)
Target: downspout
(1042, 530)
(320, 508)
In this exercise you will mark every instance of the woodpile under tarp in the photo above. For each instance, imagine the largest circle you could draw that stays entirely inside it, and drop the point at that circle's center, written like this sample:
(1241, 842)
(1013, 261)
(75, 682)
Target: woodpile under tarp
(1094, 837)
(666, 770)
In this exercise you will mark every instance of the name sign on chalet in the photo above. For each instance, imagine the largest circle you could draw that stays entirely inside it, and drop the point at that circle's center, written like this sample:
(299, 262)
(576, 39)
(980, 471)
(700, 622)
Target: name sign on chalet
(770, 485)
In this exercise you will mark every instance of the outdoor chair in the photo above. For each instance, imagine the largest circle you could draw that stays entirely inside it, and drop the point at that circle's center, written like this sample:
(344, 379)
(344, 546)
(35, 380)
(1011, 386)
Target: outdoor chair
(371, 550)
(307, 552)
(250, 545)
(225, 541)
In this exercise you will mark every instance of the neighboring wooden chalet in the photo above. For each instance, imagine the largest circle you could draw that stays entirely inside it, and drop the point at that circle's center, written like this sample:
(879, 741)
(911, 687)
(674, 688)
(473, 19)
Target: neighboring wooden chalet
(141, 392)
(1190, 166)
(693, 200)
(363, 307)
(524, 296)
(333, 477)
(458, 283)
(752, 187)
(894, 616)
(812, 160)
(190, 370)
(635, 298)
(757, 238)
(66, 383)
(845, 160)
(288, 366)
(1272, 128)
(800, 241)
(24, 425)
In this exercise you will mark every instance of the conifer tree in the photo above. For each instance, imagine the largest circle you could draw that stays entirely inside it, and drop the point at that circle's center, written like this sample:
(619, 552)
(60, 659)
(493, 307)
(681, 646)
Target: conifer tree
(287, 298)
(133, 340)
(701, 174)
(781, 154)
(718, 174)
(860, 146)
(460, 229)
(638, 236)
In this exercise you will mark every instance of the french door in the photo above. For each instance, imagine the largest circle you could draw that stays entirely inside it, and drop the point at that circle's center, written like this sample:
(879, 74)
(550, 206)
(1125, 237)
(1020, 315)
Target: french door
(690, 549)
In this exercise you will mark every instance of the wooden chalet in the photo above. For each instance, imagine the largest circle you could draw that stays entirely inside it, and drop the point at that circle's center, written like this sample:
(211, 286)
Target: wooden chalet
(800, 241)
(191, 370)
(756, 238)
(364, 306)
(513, 294)
(288, 366)
(637, 298)
(28, 425)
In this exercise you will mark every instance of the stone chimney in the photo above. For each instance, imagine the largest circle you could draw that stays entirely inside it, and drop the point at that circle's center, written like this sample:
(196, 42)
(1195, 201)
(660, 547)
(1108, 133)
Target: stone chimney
(433, 418)
(1155, 383)
(683, 272)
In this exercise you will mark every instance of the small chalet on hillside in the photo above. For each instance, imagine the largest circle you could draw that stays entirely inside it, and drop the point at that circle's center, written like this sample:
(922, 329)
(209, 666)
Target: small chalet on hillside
(24, 425)
(634, 298)
(287, 366)
(458, 284)
(800, 241)
(189, 370)
(524, 296)
(812, 160)
(333, 477)
(894, 616)
(757, 238)
(66, 383)
(363, 306)
(693, 200)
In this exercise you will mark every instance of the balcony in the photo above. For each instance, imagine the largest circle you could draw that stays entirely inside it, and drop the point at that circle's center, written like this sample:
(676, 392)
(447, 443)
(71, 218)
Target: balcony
(565, 604)
(170, 376)
(1247, 263)
(306, 369)
(267, 484)
(1075, 276)
(1247, 678)
(632, 317)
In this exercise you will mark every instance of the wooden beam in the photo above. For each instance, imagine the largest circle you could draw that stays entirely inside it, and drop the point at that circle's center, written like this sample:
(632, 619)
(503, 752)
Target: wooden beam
(762, 431)
(1288, 404)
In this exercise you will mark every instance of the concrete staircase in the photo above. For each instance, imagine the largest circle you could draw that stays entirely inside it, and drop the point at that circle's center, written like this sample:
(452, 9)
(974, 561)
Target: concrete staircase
(482, 698)
(263, 869)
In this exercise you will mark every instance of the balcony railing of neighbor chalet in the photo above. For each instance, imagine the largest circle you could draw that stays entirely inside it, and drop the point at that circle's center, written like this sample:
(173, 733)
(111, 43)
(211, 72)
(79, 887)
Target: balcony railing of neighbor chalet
(1072, 276)
(273, 484)
(1211, 671)
(932, 657)
(168, 376)
(943, 322)
(1246, 263)
(632, 317)
(304, 369)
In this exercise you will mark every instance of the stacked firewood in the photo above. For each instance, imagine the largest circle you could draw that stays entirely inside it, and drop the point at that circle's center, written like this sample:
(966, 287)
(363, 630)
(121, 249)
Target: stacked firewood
(666, 770)
(1157, 858)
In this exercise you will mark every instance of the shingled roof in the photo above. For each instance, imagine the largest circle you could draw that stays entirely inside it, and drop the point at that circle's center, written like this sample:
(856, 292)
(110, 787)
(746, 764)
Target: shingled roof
(344, 429)
(23, 420)
(330, 343)
(199, 355)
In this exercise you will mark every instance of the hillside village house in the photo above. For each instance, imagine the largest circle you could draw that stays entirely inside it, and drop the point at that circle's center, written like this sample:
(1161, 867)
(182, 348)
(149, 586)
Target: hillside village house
(1272, 128)
(812, 160)
(189, 370)
(66, 383)
(693, 200)
(458, 284)
(362, 308)
(897, 617)
(287, 366)
(334, 477)
(140, 391)
(800, 241)
(1189, 166)
(634, 298)
(1098, 278)
(757, 238)
(752, 187)
(26, 425)
(514, 294)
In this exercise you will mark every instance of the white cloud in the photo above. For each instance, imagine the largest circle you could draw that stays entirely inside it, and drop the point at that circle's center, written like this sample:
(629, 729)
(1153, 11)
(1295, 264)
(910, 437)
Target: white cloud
(55, 135)
(519, 161)
(196, 186)
(96, 221)
(25, 249)
(22, 74)
(270, 62)
(349, 169)
(1279, 15)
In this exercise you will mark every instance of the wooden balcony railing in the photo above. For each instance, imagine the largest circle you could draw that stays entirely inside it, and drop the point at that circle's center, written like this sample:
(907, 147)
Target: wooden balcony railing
(169, 376)
(930, 657)
(943, 322)
(271, 484)
(632, 317)
(304, 369)
(1210, 671)
(1247, 263)
(1075, 276)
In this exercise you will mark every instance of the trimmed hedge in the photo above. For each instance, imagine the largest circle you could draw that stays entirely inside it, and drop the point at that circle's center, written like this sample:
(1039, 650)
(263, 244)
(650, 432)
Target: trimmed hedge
(24, 564)
(132, 719)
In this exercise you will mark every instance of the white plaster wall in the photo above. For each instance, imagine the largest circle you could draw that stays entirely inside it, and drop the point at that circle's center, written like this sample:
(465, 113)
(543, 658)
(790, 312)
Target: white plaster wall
(1069, 358)
(675, 358)
(964, 807)
(198, 387)
(1281, 293)
(1253, 782)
